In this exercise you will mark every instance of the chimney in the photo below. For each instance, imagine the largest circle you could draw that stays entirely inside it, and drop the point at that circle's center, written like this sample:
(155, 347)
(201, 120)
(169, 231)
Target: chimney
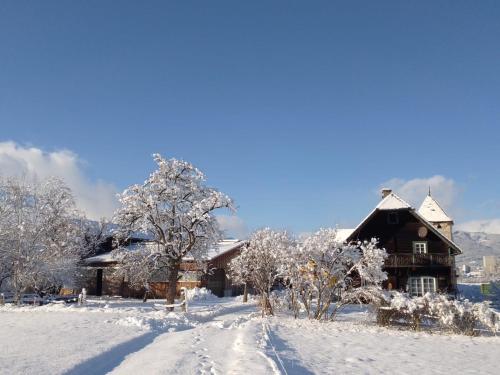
(385, 192)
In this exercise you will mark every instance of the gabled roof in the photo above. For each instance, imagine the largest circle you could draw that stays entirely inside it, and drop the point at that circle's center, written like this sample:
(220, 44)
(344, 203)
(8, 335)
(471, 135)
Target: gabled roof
(389, 203)
(392, 202)
(222, 247)
(432, 211)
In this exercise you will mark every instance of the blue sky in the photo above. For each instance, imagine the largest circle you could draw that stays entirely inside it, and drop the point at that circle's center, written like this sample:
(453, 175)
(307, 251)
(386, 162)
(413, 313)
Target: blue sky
(299, 110)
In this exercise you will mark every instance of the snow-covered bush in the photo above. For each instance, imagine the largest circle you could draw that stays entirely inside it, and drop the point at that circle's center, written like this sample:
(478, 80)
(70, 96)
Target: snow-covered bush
(200, 294)
(261, 262)
(403, 309)
(279, 300)
(451, 314)
(323, 270)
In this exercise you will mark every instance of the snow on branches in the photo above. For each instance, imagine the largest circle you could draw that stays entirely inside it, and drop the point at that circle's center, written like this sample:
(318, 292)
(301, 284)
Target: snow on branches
(174, 208)
(138, 266)
(261, 262)
(324, 270)
(316, 272)
(458, 316)
(41, 235)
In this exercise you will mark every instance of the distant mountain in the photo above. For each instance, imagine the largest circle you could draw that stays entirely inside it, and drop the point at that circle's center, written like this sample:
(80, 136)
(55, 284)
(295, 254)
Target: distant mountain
(475, 245)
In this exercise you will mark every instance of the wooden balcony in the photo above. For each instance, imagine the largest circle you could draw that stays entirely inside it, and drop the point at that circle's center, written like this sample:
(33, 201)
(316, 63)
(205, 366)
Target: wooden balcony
(418, 260)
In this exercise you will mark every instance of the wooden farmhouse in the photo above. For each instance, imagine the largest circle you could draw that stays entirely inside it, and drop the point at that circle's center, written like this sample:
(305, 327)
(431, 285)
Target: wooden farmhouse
(210, 272)
(419, 243)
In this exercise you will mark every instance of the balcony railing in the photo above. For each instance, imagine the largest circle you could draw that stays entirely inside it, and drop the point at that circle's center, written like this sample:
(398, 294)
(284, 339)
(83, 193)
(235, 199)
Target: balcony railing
(409, 260)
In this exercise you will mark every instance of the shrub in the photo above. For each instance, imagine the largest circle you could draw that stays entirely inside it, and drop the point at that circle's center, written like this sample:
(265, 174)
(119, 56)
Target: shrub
(457, 316)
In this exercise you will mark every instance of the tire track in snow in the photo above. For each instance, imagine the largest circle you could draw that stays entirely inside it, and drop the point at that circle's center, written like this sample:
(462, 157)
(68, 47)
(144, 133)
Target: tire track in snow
(284, 357)
(267, 343)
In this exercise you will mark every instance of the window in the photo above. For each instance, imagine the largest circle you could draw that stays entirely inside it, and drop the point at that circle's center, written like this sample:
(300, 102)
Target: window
(420, 247)
(420, 285)
(415, 286)
(392, 218)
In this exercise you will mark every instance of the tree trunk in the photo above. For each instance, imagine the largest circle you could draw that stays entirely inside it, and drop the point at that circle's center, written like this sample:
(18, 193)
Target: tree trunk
(146, 292)
(294, 304)
(17, 291)
(245, 293)
(266, 306)
(173, 274)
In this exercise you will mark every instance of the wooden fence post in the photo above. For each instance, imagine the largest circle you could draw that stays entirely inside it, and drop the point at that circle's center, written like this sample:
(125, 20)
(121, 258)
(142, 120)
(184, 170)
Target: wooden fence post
(184, 299)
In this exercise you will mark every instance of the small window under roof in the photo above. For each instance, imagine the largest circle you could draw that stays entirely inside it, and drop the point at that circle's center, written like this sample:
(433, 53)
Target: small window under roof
(392, 218)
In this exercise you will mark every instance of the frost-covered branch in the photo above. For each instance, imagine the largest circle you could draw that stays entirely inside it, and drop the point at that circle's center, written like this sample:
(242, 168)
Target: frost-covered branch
(261, 262)
(174, 209)
(41, 235)
(324, 270)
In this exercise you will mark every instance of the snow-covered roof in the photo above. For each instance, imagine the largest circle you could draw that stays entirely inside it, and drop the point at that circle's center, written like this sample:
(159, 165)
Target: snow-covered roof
(110, 257)
(223, 247)
(343, 234)
(432, 211)
(389, 203)
(392, 202)
(102, 258)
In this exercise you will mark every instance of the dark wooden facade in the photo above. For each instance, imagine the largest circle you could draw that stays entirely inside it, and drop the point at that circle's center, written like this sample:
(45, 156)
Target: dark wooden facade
(397, 231)
(218, 280)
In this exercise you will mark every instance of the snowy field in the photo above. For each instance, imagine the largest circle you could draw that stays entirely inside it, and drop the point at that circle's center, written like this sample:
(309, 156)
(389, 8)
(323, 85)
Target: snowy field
(223, 336)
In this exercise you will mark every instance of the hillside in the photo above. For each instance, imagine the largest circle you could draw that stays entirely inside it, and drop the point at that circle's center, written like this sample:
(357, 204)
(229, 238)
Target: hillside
(475, 245)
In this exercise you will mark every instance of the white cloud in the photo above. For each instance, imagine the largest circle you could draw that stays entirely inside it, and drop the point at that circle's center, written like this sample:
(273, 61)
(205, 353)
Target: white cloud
(447, 193)
(233, 226)
(96, 198)
(487, 226)
(445, 190)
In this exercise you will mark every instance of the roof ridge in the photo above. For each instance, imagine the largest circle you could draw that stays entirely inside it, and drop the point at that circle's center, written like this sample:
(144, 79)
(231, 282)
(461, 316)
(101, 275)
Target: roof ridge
(384, 203)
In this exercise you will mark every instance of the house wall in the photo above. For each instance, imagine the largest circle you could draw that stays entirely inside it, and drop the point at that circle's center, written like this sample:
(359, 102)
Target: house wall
(220, 280)
(398, 241)
(446, 228)
(399, 238)
(398, 277)
(216, 280)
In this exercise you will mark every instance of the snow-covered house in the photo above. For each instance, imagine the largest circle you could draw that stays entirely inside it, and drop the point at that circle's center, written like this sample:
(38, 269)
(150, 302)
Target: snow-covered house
(419, 243)
(209, 272)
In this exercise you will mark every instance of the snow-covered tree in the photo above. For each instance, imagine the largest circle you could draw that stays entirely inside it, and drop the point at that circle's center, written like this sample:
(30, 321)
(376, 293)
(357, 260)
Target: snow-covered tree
(94, 235)
(40, 235)
(174, 208)
(139, 265)
(240, 272)
(261, 262)
(294, 277)
(323, 269)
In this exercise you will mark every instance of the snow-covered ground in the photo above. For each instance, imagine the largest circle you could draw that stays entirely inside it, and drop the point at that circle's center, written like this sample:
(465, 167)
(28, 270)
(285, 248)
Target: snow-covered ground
(222, 336)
